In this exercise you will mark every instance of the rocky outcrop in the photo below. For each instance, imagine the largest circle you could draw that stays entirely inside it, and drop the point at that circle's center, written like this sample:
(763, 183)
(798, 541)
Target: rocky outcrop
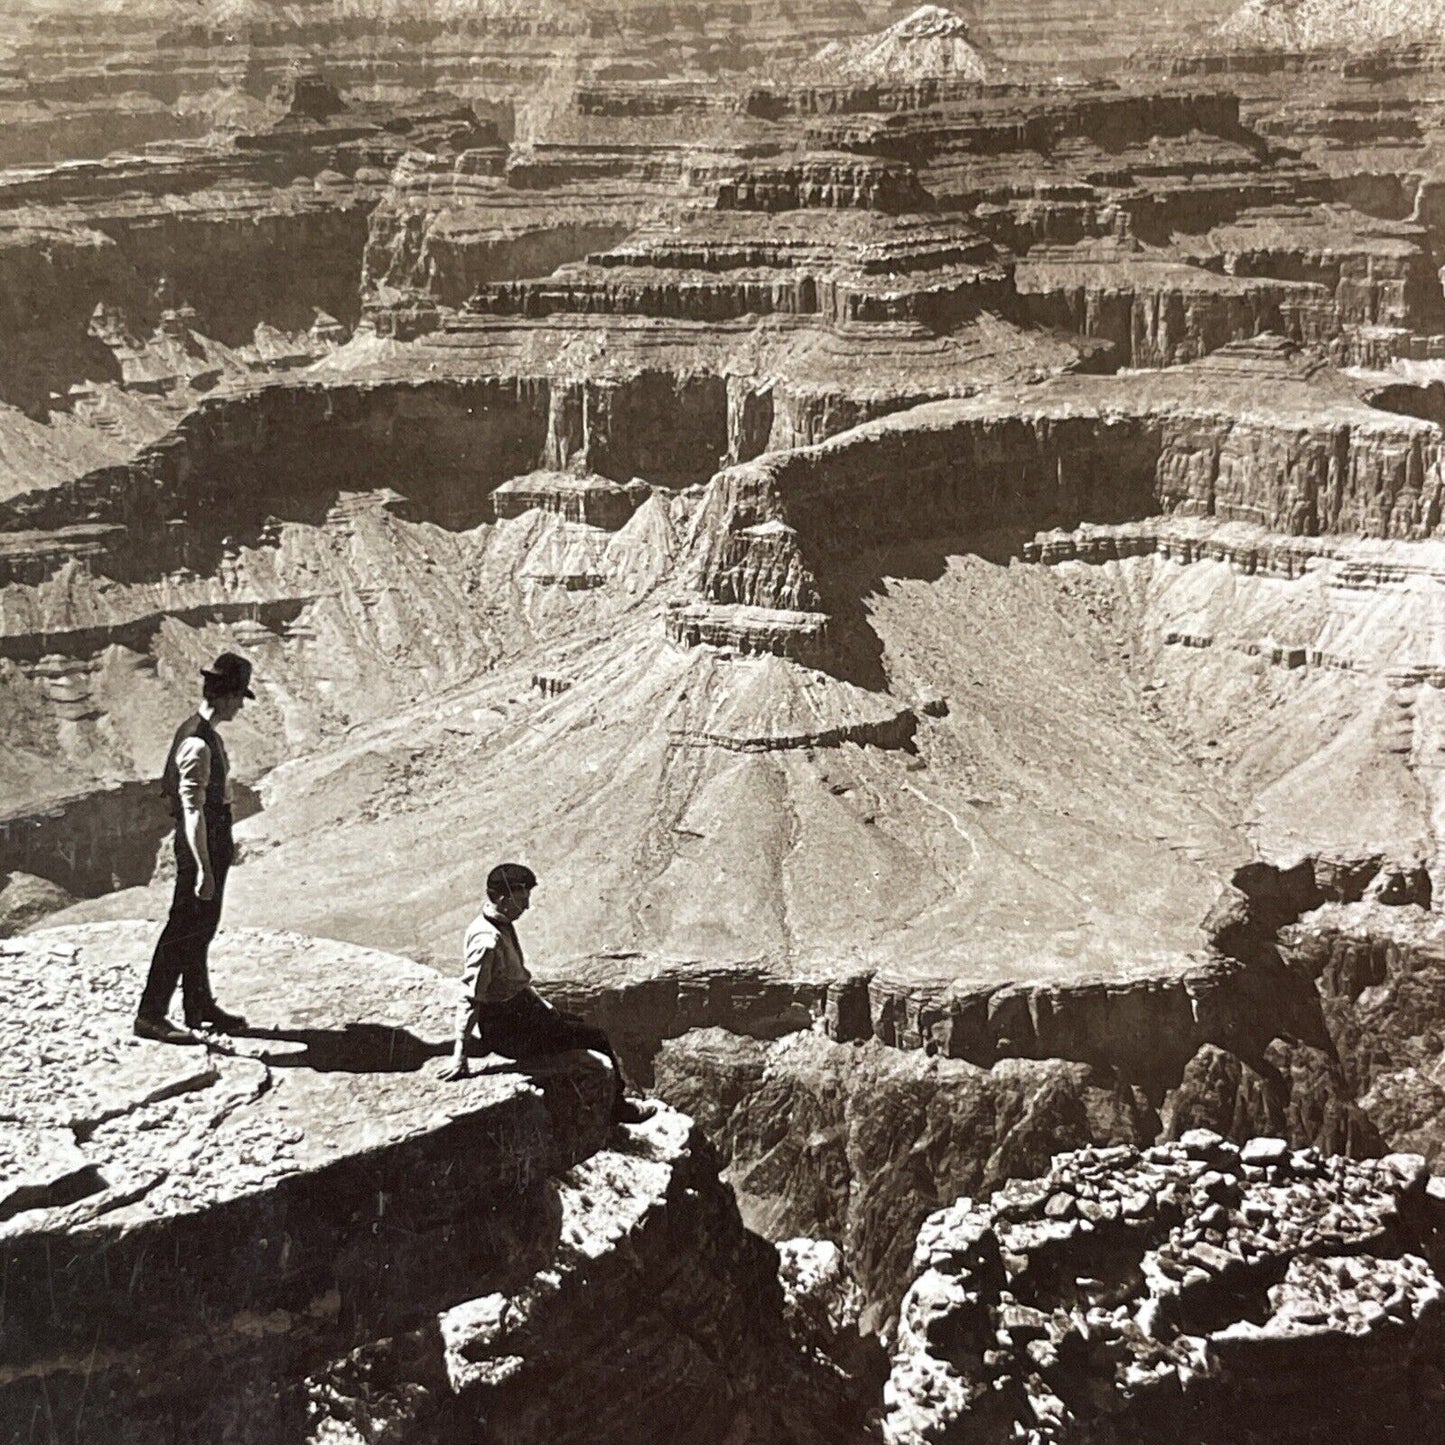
(1249, 549)
(843, 1142)
(801, 636)
(1307, 458)
(940, 302)
(1379, 971)
(840, 268)
(1161, 313)
(181, 1197)
(1320, 1041)
(343, 1243)
(240, 460)
(1197, 1291)
(652, 1264)
(577, 497)
(823, 181)
(1041, 120)
(1377, 272)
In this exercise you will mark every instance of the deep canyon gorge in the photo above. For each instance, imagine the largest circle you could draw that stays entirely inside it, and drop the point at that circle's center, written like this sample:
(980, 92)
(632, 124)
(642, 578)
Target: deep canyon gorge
(925, 527)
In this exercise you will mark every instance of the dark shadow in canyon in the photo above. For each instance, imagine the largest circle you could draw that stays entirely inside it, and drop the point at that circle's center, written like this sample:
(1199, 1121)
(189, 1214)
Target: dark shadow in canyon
(99, 842)
(239, 467)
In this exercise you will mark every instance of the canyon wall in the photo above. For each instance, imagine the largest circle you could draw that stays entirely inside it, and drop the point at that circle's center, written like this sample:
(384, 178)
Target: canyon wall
(284, 452)
(1248, 434)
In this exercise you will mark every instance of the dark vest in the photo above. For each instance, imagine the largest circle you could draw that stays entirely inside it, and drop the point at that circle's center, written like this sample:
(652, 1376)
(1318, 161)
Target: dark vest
(216, 808)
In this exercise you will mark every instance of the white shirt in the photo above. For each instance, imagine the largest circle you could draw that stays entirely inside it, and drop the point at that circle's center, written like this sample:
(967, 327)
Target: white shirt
(193, 767)
(493, 969)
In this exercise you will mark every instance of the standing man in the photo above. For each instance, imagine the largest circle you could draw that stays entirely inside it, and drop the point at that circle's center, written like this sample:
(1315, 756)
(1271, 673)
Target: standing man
(197, 785)
(497, 994)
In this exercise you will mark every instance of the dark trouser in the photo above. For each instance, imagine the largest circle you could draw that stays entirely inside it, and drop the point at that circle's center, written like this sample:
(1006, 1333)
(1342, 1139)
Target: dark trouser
(180, 955)
(524, 1027)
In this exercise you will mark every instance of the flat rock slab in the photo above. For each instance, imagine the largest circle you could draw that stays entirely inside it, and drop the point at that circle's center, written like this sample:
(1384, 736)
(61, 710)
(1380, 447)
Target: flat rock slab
(251, 1209)
(342, 1055)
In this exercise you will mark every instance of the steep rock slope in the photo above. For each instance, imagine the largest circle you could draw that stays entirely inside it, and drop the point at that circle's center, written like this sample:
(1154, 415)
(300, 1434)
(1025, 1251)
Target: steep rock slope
(860, 1145)
(930, 41)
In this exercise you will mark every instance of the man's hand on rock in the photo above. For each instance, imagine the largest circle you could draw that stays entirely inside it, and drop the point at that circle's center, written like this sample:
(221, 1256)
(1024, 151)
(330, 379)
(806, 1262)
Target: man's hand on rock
(456, 1070)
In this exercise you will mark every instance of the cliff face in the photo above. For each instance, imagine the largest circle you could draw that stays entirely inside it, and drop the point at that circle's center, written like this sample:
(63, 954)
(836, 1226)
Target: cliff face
(1378, 973)
(851, 1143)
(652, 1264)
(1306, 458)
(824, 253)
(433, 250)
(94, 80)
(264, 228)
(72, 843)
(342, 1243)
(859, 1145)
(240, 460)
(1160, 313)
(1312, 1031)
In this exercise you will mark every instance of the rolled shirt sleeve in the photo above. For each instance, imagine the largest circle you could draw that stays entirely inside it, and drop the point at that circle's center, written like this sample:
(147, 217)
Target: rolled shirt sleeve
(193, 773)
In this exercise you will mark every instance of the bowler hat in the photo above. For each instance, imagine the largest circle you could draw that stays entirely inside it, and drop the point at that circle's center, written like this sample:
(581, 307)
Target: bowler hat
(230, 673)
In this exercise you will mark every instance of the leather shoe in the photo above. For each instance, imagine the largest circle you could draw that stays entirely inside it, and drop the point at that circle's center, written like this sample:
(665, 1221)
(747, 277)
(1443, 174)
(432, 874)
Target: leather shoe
(162, 1031)
(628, 1112)
(214, 1017)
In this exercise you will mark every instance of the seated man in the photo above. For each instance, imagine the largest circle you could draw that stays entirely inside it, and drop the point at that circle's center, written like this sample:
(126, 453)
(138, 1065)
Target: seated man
(497, 993)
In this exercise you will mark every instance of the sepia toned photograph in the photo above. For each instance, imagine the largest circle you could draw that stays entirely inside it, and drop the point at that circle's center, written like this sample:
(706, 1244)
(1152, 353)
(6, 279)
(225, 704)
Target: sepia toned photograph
(722, 722)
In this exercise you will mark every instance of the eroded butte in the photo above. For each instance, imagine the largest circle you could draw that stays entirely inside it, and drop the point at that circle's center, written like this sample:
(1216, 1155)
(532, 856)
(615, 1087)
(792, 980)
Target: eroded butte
(923, 529)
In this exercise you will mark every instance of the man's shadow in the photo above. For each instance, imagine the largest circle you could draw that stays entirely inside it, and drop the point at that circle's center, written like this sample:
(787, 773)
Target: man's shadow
(362, 1048)
(358, 1048)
